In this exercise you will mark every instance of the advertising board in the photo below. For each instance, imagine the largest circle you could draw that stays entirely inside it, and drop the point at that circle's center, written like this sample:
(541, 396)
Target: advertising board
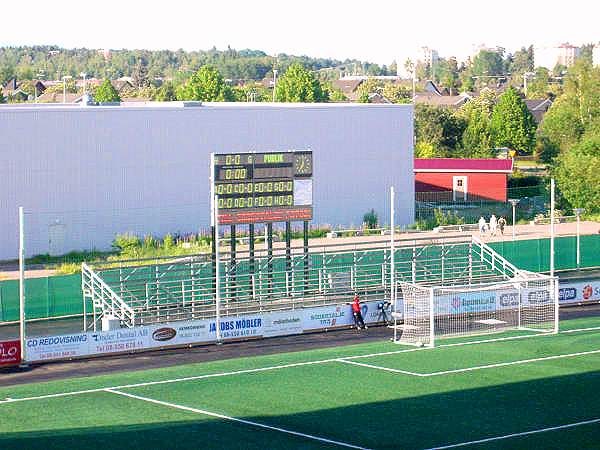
(179, 333)
(579, 291)
(57, 347)
(10, 353)
(282, 323)
(237, 327)
(123, 340)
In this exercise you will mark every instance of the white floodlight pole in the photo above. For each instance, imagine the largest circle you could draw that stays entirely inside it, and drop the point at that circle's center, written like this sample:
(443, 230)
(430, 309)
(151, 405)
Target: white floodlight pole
(392, 251)
(514, 202)
(578, 212)
(552, 199)
(84, 75)
(65, 78)
(22, 281)
(217, 271)
(274, 83)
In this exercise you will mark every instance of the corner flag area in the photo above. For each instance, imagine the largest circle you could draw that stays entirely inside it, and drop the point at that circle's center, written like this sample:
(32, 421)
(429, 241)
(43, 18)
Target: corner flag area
(486, 392)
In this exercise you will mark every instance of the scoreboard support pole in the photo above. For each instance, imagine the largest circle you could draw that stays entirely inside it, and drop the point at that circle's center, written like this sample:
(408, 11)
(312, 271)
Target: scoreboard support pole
(213, 232)
(232, 288)
(270, 255)
(305, 250)
(288, 246)
(251, 246)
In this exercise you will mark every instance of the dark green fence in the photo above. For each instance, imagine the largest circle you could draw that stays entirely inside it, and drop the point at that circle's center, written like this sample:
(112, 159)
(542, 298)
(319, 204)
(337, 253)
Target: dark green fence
(534, 254)
(45, 297)
(61, 295)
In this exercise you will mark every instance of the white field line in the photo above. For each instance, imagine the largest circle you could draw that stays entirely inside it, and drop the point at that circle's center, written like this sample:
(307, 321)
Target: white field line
(387, 369)
(575, 330)
(469, 369)
(233, 419)
(263, 369)
(511, 363)
(200, 377)
(524, 433)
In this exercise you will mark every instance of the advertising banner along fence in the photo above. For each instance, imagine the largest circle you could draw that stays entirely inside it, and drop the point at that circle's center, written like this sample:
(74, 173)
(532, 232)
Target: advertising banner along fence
(10, 353)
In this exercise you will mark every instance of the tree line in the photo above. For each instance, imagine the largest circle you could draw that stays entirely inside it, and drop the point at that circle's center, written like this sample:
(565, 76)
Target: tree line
(51, 62)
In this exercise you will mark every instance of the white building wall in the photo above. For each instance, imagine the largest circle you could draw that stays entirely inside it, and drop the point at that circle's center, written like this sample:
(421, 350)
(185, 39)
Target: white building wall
(596, 55)
(86, 173)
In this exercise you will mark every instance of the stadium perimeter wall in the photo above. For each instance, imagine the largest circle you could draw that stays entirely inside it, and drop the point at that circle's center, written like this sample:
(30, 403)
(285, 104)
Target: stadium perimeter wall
(85, 173)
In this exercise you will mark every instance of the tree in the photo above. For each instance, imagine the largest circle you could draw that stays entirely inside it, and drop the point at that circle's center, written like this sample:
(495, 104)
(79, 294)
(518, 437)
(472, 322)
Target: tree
(106, 93)
(578, 174)
(476, 138)
(488, 63)
(299, 85)
(2, 98)
(207, 85)
(333, 93)
(140, 73)
(522, 61)
(397, 93)
(166, 93)
(512, 125)
(438, 128)
(577, 109)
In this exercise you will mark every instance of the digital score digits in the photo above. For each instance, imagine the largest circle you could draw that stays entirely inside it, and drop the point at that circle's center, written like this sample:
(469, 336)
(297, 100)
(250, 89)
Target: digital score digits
(263, 187)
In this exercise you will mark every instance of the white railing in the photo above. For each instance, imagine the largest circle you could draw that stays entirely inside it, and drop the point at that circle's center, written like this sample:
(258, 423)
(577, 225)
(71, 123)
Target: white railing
(104, 298)
(495, 260)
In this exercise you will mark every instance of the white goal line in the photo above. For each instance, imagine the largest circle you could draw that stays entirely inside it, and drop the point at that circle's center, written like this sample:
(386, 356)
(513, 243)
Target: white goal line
(277, 367)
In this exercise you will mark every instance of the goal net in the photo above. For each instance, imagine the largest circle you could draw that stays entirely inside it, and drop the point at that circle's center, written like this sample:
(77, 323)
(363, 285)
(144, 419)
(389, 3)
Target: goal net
(527, 302)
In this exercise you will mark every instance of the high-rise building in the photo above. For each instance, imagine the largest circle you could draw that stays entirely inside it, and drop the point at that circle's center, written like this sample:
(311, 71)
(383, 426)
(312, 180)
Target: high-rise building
(423, 55)
(563, 54)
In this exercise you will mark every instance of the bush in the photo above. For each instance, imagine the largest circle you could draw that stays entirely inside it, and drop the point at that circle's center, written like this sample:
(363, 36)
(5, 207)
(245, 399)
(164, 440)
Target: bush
(125, 243)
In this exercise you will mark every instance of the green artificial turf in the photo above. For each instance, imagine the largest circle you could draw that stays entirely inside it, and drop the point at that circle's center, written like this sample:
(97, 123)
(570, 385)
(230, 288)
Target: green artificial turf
(358, 405)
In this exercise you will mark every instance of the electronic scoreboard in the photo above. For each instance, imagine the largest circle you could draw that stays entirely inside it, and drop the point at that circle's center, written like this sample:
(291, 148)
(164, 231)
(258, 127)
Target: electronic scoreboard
(262, 187)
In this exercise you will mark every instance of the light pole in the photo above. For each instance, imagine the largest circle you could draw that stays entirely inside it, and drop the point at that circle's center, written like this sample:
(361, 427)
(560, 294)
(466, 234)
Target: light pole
(514, 202)
(274, 83)
(578, 212)
(83, 75)
(525, 76)
(65, 78)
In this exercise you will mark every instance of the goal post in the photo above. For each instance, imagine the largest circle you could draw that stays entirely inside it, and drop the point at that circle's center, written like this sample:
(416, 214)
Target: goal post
(526, 302)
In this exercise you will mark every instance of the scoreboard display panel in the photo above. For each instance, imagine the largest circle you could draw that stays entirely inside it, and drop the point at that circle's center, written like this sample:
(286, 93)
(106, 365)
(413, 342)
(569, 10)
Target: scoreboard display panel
(262, 187)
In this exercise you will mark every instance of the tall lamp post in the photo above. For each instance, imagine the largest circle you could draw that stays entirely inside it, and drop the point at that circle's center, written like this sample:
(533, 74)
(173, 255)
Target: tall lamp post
(526, 75)
(274, 83)
(578, 212)
(65, 78)
(514, 202)
(84, 75)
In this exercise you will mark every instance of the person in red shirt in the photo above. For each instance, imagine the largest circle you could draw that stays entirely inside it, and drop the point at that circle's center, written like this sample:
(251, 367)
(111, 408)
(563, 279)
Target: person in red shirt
(358, 318)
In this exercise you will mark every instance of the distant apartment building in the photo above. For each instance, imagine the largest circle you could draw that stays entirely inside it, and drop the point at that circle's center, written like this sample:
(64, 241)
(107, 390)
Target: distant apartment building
(423, 55)
(563, 54)
(428, 56)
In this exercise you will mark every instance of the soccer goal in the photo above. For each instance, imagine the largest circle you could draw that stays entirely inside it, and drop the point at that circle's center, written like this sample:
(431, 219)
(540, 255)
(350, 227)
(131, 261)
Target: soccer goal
(526, 302)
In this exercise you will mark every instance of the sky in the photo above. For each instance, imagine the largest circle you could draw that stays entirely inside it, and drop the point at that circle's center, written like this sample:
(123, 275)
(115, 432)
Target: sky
(379, 31)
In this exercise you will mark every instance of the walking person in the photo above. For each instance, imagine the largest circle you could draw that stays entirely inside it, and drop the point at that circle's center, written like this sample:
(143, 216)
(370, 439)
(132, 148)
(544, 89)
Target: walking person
(493, 225)
(482, 225)
(501, 224)
(358, 318)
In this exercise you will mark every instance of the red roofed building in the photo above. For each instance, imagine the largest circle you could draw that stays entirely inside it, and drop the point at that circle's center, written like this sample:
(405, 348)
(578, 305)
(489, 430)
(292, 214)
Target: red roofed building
(462, 179)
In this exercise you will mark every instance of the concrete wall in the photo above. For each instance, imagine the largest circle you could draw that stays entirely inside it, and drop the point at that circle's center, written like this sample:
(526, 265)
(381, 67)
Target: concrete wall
(86, 173)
